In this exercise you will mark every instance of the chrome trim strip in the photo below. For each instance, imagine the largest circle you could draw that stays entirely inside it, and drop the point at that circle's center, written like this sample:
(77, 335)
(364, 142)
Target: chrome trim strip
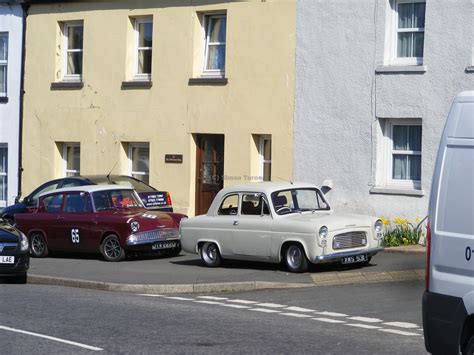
(370, 252)
(149, 237)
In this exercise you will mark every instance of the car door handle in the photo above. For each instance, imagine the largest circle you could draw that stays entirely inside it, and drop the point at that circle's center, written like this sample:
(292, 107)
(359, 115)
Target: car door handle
(236, 223)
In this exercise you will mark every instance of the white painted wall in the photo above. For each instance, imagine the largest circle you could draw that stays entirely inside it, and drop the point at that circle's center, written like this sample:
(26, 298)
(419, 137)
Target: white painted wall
(339, 97)
(11, 22)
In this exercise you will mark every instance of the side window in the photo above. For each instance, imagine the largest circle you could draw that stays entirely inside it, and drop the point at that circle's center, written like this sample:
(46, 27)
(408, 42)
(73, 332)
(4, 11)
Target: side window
(254, 205)
(53, 203)
(101, 200)
(32, 201)
(77, 203)
(229, 205)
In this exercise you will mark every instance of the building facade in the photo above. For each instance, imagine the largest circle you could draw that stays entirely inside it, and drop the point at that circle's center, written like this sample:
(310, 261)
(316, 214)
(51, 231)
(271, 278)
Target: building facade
(189, 98)
(374, 83)
(11, 44)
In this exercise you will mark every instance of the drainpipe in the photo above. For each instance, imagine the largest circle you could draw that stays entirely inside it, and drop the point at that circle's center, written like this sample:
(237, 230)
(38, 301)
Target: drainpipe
(25, 6)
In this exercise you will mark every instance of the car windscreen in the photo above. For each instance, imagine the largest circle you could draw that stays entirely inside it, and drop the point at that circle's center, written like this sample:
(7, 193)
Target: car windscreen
(111, 199)
(298, 200)
(138, 185)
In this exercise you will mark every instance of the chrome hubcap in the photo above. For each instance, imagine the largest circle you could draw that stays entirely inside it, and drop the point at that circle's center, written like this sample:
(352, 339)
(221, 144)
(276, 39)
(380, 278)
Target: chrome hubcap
(295, 258)
(212, 252)
(37, 244)
(112, 248)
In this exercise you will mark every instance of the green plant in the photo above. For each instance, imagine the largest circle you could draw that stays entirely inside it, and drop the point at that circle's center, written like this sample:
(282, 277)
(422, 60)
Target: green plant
(400, 232)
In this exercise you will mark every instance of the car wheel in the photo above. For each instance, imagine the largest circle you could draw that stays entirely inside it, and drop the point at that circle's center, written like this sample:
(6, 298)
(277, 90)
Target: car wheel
(111, 249)
(38, 246)
(21, 279)
(174, 251)
(469, 348)
(210, 254)
(295, 258)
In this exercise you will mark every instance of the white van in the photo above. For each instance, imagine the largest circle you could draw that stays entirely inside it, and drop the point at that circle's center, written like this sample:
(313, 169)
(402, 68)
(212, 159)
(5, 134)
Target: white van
(448, 302)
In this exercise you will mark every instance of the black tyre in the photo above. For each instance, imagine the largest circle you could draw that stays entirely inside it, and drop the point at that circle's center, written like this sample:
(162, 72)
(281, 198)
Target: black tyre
(210, 254)
(38, 246)
(111, 249)
(173, 252)
(295, 258)
(469, 348)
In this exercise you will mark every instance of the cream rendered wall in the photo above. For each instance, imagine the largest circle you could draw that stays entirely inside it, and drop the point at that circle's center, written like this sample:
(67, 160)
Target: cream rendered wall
(258, 98)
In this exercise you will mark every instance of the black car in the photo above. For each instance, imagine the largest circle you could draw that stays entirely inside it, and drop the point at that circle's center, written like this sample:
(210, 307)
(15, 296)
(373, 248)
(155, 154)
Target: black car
(151, 197)
(14, 252)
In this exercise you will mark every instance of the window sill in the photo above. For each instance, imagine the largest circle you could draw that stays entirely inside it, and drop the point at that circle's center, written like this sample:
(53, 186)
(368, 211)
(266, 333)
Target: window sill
(208, 81)
(3, 99)
(137, 84)
(401, 69)
(397, 191)
(470, 69)
(67, 85)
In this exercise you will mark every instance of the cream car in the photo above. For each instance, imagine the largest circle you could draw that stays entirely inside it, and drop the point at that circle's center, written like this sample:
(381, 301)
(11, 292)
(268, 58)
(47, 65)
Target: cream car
(274, 222)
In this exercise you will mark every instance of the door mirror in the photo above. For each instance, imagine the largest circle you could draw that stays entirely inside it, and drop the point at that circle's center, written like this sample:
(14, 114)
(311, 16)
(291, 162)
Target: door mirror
(326, 186)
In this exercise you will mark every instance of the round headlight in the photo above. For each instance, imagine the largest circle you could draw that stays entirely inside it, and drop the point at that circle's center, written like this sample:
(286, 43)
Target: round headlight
(378, 226)
(134, 226)
(323, 232)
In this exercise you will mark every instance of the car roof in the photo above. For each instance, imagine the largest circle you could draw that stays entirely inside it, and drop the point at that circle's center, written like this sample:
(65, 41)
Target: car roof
(465, 96)
(267, 186)
(87, 188)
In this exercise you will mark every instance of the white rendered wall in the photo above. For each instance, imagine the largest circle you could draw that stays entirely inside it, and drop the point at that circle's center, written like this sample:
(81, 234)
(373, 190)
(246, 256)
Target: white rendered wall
(11, 22)
(340, 98)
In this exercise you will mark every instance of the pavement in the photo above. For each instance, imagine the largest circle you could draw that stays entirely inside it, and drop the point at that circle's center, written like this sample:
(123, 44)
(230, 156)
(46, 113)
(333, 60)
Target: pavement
(186, 274)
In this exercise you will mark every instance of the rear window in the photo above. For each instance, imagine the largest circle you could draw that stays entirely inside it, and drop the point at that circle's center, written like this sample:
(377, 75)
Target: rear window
(138, 185)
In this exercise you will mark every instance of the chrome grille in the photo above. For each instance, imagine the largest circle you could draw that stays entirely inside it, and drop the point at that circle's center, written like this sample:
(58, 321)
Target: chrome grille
(349, 240)
(164, 233)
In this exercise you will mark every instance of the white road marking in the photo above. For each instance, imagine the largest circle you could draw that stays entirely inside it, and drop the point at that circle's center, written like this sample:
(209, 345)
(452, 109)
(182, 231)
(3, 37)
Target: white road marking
(402, 325)
(365, 319)
(328, 320)
(332, 314)
(400, 332)
(213, 298)
(210, 302)
(149, 295)
(271, 305)
(264, 310)
(84, 346)
(242, 301)
(365, 326)
(239, 306)
(299, 309)
(179, 298)
(297, 315)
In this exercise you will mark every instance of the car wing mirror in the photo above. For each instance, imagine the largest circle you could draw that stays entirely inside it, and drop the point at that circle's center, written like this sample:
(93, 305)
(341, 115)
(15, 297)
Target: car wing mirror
(326, 186)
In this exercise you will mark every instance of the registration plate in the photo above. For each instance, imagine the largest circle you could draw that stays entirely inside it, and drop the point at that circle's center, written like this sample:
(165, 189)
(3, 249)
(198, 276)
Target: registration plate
(7, 259)
(354, 259)
(164, 245)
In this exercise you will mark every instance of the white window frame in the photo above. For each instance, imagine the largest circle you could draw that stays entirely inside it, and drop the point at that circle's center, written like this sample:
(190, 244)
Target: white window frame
(65, 169)
(394, 59)
(66, 26)
(130, 161)
(4, 63)
(388, 152)
(262, 155)
(207, 43)
(136, 22)
(3, 203)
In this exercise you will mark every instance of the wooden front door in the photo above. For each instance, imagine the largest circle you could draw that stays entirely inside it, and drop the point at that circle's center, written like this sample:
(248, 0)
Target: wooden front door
(209, 169)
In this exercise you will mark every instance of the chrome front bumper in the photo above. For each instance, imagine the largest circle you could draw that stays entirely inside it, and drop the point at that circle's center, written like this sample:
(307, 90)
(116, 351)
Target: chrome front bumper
(336, 256)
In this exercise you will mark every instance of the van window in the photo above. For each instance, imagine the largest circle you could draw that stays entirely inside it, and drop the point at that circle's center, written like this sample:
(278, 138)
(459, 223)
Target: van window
(465, 124)
(456, 194)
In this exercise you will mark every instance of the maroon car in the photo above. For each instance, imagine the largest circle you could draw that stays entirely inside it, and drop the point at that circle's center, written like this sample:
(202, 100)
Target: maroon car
(108, 219)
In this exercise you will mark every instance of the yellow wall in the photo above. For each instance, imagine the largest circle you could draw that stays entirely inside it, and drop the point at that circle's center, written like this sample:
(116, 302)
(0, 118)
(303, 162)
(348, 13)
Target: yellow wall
(258, 98)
